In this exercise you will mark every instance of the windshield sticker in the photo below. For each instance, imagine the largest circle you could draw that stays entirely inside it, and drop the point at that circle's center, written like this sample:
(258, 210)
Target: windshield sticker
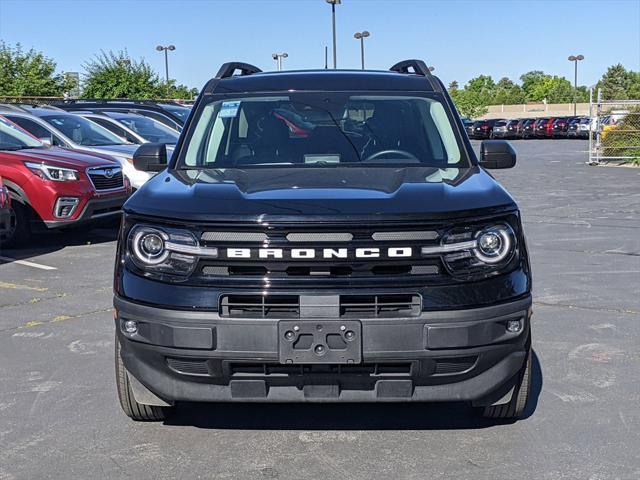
(229, 109)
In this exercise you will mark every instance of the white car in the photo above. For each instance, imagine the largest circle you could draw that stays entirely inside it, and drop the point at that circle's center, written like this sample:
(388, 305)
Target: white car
(59, 128)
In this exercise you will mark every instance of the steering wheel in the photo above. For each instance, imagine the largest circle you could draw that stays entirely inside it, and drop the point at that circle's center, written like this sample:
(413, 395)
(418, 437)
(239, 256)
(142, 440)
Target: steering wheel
(382, 153)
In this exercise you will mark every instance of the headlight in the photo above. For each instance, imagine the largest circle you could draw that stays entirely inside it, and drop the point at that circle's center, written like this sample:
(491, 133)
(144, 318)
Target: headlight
(166, 250)
(56, 174)
(476, 249)
(149, 246)
(494, 244)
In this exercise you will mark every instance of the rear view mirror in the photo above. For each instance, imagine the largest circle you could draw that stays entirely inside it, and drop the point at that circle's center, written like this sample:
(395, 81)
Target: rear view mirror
(150, 157)
(46, 140)
(497, 154)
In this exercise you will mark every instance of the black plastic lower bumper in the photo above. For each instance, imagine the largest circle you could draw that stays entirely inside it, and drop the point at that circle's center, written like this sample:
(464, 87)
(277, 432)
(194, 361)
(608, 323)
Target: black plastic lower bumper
(461, 355)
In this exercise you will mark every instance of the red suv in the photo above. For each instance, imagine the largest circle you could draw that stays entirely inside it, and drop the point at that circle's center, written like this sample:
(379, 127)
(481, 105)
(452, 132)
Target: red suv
(5, 214)
(55, 187)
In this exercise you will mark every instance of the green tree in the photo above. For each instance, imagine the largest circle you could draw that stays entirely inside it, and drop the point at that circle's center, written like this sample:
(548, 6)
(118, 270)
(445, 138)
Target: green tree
(473, 99)
(508, 93)
(582, 95)
(529, 81)
(181, 91)
(469, 103)
(615, 83)
(483, 87)
(553, 89)
(116, 75)
(633, 91)
(30, 73)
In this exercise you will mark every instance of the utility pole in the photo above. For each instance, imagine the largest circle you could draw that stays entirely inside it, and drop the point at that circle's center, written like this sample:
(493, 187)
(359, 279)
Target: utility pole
(361, 36)
(333, 20)
(278, 58)
(575, 59)
(166, 49)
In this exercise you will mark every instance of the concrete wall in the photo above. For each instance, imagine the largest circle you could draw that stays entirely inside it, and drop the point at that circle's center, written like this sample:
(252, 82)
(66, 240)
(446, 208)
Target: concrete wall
(532, 110)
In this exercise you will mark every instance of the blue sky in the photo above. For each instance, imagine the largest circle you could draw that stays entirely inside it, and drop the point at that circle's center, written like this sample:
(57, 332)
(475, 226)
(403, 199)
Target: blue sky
(461, 38)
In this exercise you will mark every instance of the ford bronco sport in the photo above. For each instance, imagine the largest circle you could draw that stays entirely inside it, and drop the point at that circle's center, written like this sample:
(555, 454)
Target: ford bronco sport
(323, 236)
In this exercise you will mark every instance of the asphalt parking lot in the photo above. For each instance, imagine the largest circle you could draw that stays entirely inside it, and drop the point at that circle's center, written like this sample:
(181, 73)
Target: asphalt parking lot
(59, 416)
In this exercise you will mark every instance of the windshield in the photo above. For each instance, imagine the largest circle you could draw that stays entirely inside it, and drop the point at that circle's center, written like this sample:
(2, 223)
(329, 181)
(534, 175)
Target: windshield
(322, 129)
(149, 129)
(83, 131)
(181, 112)
(13, 137)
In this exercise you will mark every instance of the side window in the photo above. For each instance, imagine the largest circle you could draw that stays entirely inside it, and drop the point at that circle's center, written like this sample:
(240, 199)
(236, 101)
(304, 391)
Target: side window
(159, 117)
(121, 132)
(32, 127)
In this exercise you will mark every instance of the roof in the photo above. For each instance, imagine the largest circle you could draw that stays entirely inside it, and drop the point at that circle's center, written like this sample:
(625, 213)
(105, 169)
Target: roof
(37, 111)
(325, 80)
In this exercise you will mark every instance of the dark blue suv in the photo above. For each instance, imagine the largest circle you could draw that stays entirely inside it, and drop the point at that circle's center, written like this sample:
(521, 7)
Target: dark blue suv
(323, 236)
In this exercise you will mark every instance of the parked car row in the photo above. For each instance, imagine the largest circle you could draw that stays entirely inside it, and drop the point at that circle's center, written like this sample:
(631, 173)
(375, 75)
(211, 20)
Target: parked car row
(546, 127)
(68, 166)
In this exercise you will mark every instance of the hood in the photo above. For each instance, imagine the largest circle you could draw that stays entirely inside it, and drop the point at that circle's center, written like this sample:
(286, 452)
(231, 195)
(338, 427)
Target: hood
(122, 150)
(60, 157)
(301, 194)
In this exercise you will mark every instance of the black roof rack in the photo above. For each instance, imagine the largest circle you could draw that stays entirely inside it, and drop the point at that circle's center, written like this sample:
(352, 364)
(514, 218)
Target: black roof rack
(228, 69)
(13, 107)
(418, 66)
(107, 101)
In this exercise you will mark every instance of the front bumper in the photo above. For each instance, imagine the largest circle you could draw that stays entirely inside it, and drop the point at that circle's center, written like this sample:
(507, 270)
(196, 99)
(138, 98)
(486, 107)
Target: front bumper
(93, 210)
(456, 355)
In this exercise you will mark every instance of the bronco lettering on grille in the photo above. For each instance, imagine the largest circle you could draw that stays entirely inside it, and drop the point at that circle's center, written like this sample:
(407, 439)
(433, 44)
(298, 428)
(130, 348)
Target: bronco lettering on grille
(326, 253)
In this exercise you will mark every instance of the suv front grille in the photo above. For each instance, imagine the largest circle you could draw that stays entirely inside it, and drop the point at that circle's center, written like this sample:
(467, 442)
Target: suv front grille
(349, 306)
(106, 178)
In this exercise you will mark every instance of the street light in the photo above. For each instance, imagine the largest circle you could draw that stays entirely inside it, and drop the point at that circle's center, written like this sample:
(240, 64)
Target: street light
(575, 59)
(278, 58)
(166, 49)
(361, 36)
(333, 20)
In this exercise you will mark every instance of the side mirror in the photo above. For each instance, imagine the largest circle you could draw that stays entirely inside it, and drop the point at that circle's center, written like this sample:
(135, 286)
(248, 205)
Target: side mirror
(497, 154)
(150, 157)
(47, 141)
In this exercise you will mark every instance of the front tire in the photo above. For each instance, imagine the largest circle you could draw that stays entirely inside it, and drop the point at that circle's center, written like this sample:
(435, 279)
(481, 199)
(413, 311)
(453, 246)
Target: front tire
(515, 407)
(134, 410)
(19, 226)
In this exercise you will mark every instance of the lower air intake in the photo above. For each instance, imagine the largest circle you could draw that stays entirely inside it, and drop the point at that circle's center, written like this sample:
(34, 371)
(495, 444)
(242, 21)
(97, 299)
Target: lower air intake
(450, 366)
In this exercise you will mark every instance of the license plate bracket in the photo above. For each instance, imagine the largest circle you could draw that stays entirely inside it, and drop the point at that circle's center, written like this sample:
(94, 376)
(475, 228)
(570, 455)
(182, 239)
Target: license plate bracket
(320, 341)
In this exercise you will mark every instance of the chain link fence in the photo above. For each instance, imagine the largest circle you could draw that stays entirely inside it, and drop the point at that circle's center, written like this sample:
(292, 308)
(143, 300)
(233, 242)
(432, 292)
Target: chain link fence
(614, 136)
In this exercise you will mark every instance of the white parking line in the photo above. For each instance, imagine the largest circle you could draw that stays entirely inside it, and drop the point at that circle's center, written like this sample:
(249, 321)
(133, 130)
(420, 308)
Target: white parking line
(27, 263)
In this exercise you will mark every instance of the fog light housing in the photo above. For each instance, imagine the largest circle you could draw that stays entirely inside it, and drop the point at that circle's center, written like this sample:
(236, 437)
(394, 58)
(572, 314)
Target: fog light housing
(130, 327)
(514, 326)
(65, 207)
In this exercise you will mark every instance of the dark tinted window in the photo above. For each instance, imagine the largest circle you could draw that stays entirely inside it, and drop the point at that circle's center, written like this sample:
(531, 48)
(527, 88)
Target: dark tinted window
(149, 129)
(322, 129)
(82, 131)
(112, 127)
(37, 130)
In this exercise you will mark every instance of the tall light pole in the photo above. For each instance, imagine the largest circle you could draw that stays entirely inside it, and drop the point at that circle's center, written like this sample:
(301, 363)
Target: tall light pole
(333, 20)
(575, 59)
(166, 49)
(278, 58)
(361, 36)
